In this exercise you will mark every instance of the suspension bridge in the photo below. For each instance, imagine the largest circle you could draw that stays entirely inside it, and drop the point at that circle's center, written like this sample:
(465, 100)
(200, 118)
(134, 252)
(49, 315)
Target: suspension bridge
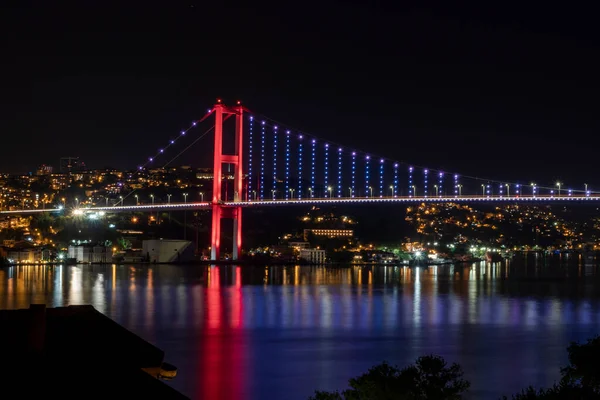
(275, 166)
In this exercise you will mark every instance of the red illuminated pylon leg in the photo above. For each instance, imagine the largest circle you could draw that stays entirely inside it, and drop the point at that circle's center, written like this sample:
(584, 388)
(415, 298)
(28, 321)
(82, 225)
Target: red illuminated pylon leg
(219, 210)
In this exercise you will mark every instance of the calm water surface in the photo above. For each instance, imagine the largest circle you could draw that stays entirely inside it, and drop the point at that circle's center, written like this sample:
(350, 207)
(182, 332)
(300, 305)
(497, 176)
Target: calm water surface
(281, 332)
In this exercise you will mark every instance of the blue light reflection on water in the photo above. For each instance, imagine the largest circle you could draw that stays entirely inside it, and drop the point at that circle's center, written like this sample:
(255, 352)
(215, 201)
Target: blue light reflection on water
(281, 332)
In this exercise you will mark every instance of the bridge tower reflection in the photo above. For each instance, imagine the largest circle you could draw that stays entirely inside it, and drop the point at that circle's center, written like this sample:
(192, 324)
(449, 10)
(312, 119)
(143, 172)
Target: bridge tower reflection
(224, 366)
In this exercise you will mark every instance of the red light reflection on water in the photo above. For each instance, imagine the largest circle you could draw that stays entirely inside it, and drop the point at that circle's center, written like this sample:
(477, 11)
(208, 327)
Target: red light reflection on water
(223, 373)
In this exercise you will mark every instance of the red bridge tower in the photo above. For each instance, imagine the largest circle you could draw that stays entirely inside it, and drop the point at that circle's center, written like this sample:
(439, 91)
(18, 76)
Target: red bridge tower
(220, 211)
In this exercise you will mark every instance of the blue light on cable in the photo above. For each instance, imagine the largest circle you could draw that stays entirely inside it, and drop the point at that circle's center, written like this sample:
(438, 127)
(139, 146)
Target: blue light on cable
(300, 168)
(395, 180)
(312, 166)
(250, 154)
(367, 166)
(339, 188)
(287, 165)
(411, 187)
(262, 162)
(352, 191)
(381, 178)
(274, 188)
(425, 182)
(327, 191)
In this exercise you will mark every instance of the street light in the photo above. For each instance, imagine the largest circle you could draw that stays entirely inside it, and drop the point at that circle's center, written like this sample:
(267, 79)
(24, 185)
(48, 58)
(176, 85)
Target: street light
(350, 191)
(414, 188)
(273, 193)
(121, 200)
(292, 193)
(152, 197)
(169, 198)
(310, 192)
(586, 191)
(507, 190)
(201, 196)
(329, 189)
(482, 189)
(558, 184)
(533, 189)
(459, 189)
(436, 190)
(137, 200)
(185, 195)
(371, 190)
(392, 190)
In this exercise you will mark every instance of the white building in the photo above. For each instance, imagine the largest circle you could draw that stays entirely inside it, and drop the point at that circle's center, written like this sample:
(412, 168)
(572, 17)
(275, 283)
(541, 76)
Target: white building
(313, 256)
(167, 251)
(89, 254)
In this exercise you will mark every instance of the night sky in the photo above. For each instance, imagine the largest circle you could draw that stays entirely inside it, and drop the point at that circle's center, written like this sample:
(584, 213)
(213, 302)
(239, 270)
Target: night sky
(506, 93)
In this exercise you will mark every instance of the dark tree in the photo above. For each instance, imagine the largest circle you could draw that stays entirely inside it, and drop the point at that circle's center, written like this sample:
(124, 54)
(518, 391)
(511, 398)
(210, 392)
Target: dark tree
(429, 378)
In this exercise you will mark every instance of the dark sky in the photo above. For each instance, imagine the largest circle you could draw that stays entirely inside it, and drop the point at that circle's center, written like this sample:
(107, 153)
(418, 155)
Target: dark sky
(504, 93)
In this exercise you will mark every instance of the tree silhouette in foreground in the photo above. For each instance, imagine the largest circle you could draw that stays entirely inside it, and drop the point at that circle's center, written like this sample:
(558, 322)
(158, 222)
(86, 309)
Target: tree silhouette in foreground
(429, 378)
(580, 380)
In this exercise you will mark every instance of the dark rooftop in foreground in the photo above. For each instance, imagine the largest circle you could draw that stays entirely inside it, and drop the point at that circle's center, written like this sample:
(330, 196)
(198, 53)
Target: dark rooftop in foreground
(77, 352)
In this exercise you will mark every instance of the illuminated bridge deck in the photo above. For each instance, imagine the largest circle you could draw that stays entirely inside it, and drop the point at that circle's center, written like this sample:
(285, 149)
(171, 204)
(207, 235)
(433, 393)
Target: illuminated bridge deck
(323, 201)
